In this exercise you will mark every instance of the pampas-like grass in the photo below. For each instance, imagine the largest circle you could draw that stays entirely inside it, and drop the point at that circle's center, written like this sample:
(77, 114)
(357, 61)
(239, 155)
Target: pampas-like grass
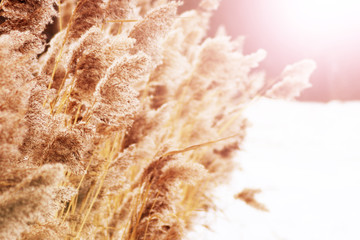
(121, 128)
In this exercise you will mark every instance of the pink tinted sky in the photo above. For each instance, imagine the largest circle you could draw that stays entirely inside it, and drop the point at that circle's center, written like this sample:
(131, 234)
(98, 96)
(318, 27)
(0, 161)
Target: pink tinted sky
(327, 31)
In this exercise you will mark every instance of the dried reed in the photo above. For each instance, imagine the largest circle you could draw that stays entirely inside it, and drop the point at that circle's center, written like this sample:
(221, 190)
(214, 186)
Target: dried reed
(120, 129)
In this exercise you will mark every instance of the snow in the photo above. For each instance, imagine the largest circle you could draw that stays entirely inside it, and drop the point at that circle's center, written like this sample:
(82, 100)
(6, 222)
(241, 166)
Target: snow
(306, 159)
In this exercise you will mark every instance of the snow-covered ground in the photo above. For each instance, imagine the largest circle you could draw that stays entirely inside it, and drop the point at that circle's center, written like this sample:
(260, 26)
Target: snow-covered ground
(306, 159)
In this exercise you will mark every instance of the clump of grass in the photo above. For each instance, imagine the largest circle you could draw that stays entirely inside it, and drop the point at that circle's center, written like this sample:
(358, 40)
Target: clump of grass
(120, 129)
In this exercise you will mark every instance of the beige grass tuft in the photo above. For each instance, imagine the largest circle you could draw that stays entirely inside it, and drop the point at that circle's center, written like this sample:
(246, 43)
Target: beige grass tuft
(121, 128)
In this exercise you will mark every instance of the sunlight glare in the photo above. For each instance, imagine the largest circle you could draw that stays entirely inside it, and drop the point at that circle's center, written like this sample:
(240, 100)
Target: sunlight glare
(323, 20)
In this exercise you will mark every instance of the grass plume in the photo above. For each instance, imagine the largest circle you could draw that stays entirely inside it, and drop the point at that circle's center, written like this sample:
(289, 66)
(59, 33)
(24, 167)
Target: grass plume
(123, 125)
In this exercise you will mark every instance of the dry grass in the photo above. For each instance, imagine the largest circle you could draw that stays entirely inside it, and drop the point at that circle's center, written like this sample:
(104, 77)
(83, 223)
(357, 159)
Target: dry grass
(121, 128)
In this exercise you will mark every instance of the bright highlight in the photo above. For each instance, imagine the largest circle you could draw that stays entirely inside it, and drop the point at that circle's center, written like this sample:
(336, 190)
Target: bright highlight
(322, 19)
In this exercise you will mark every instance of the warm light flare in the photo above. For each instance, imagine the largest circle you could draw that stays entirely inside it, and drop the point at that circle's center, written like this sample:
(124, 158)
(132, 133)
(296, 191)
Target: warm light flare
(322, 20)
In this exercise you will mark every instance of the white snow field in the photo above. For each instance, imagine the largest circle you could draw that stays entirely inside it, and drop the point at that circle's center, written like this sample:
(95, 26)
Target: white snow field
(306, 159)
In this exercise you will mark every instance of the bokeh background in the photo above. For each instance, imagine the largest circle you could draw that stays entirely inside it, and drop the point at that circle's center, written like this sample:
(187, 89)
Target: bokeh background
(304, 156)
(327, 31)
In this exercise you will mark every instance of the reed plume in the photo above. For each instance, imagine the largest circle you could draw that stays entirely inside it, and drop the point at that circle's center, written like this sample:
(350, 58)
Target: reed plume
(123, 124)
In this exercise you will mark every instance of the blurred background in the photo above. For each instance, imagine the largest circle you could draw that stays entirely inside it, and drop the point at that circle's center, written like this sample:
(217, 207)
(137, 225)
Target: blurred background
(304, 156)
(327, 31)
